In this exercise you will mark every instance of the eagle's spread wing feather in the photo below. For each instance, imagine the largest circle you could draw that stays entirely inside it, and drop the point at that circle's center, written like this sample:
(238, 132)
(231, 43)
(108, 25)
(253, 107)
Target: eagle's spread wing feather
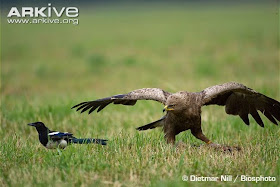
(240, 100)
(131, 98)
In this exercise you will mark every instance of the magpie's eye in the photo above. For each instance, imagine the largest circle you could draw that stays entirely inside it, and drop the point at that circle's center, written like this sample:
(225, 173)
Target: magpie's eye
(171, 105)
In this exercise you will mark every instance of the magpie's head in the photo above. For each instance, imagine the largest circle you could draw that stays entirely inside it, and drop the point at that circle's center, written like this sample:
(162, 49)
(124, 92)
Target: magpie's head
(40, 126)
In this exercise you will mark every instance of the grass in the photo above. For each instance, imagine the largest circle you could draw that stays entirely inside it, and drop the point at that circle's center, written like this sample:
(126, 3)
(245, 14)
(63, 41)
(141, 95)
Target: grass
(46, 69)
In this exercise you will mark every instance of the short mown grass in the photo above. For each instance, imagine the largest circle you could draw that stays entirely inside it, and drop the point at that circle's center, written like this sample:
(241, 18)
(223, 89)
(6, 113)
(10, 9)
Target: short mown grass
(46, 69)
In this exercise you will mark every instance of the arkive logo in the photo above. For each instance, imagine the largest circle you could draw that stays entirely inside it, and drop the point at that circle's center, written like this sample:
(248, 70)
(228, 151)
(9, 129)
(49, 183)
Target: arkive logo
(43, 15)
(49, 11)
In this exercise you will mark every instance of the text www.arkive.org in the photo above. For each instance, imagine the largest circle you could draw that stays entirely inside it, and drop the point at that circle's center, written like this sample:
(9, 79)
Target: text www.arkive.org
(43, 21)
(43, 15)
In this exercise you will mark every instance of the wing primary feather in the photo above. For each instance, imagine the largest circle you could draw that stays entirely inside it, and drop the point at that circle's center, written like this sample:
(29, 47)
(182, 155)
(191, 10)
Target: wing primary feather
(78, 105)
(256, 116)
(245, 118)
(270, 117)
(273, 107)
(274, 113)
(103, 106)
(82, 106)
(86, 108)
(93, 109)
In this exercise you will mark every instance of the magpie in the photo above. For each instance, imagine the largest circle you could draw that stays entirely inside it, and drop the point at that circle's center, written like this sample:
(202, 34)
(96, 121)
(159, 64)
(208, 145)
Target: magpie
(54, 139)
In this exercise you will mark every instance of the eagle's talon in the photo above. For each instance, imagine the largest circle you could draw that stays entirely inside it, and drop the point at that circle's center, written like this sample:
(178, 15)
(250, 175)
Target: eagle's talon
(224, 148)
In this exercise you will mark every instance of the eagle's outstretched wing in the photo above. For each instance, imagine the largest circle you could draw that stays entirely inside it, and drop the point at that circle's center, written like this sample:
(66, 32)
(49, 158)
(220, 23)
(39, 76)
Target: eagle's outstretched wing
(240, 100)
(131, 98)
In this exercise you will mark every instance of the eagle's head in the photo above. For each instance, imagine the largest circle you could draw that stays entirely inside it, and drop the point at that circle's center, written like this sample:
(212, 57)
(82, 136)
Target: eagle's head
(175, 103)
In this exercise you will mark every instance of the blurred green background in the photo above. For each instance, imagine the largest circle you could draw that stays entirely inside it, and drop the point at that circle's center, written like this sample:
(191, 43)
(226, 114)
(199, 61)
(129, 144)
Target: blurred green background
(47, 68)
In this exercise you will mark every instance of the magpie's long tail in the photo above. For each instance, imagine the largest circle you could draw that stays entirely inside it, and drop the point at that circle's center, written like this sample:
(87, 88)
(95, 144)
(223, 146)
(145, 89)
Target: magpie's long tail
(152, 125)
(88, 141)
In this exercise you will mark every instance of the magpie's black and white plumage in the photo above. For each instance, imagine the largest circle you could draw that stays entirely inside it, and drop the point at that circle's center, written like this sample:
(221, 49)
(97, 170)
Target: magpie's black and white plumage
(54, 139)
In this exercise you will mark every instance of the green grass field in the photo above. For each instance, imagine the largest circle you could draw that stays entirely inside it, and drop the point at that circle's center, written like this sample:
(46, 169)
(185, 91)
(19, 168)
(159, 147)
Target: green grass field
(46, 69)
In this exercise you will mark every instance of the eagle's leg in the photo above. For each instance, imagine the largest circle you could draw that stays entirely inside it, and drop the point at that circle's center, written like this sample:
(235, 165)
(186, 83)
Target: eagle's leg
(170, 137)
(197, 132)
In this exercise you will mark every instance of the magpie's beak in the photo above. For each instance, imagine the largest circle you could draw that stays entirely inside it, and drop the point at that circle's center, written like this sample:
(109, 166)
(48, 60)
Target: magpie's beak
(31, 124)
(166, 108)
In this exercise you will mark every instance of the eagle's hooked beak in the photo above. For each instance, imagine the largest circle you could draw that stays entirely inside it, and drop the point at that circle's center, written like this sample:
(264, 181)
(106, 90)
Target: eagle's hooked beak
(167, 107)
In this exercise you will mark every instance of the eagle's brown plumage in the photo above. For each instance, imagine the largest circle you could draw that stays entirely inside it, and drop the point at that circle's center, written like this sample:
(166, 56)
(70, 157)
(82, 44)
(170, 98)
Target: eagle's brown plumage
(184, 108)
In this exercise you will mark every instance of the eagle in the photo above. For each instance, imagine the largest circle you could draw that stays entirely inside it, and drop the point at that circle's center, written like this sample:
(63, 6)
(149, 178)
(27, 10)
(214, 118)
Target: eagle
(183, 109)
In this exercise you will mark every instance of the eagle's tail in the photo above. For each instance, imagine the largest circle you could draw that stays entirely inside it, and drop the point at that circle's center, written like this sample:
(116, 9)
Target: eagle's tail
(152, 125)
(88, 141)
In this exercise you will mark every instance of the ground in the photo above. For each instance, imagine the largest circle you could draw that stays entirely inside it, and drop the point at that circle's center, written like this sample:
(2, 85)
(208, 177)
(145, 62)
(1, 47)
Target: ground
(48, 68)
